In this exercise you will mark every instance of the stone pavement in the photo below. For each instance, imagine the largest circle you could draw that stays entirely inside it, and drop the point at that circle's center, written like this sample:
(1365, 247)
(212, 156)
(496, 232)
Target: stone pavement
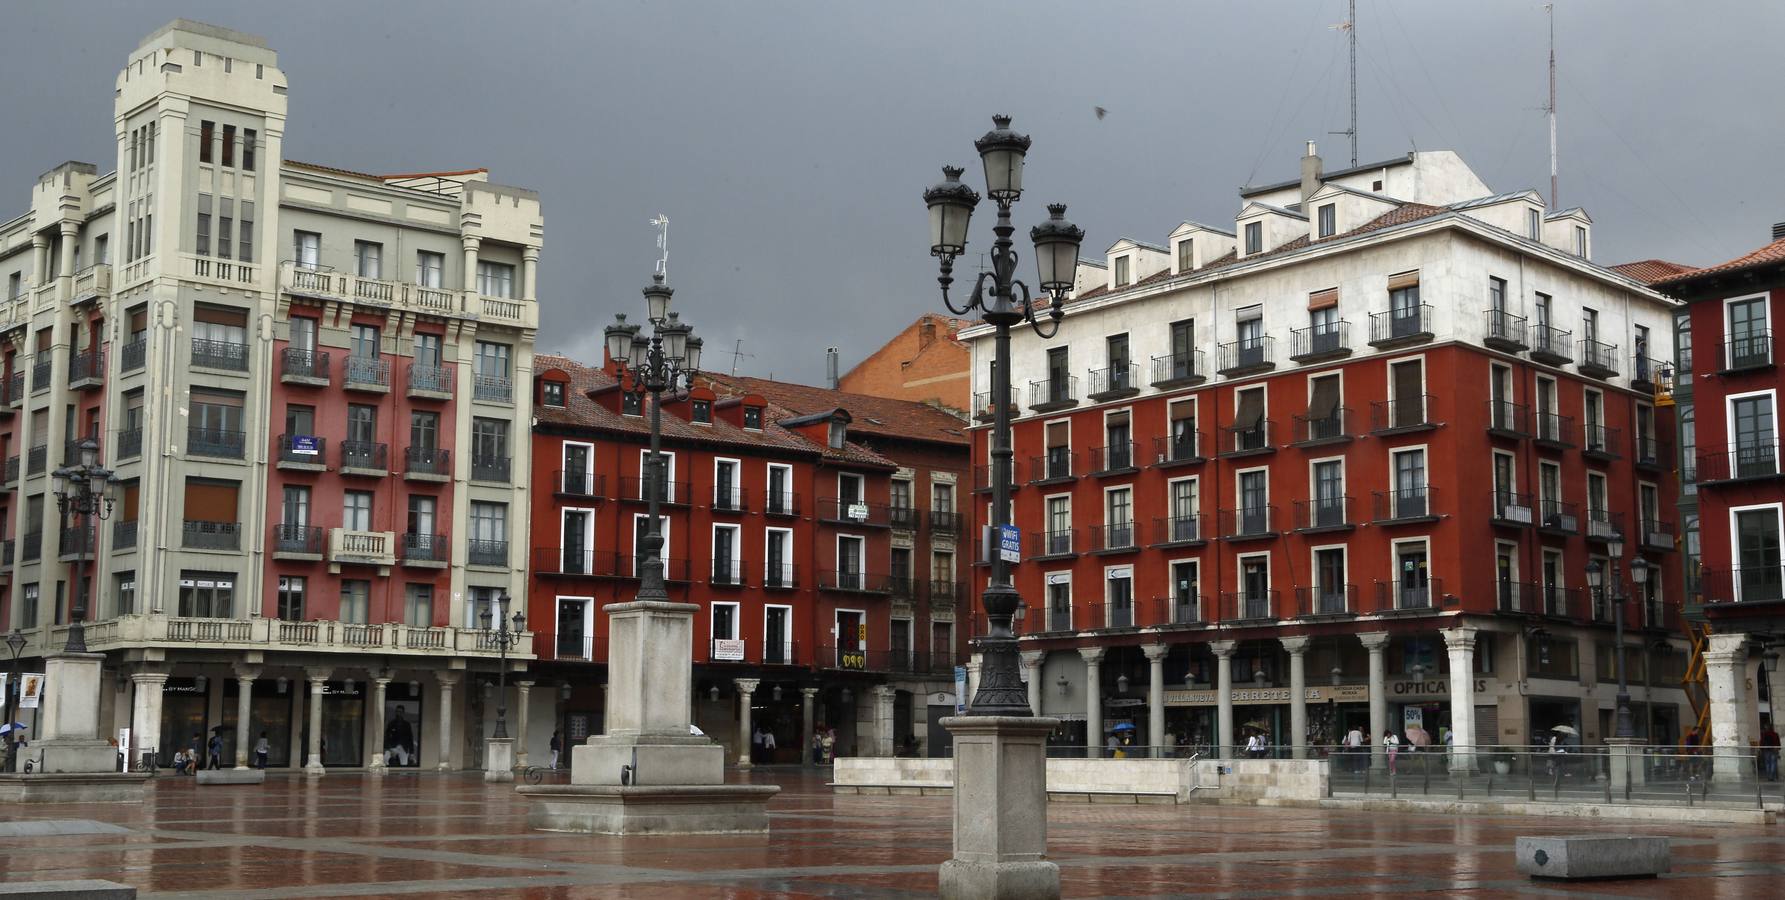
(446, 836)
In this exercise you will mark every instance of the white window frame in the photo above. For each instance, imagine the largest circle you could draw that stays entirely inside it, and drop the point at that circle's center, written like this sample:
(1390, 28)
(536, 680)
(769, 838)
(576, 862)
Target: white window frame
(1394, 571)
(737, 481)
(588, 548)
(737, 622)
(1171, 584)
(669, 477)
(837, 628)
(787, 564)
(1109, 606)
(564, 463)
(1195, 416)
(588, 603)
(1239, 576)
(1421, 449)
(1239, 494)
(736, 561)
(1388, 373)
(1048, 580)
(787, 640)
(1314, 574)
(1171, 513)
(1735, 539)
(1772, 395)
(663, 553)
(837, 558)
(788, 491)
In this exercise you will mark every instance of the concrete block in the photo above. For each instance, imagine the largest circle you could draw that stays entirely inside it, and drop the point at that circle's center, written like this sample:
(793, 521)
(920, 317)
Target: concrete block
(694, 762)
(83, 889)
(679, 809)
(1593, 856)
(498, 759)
(232, 776)
(76, 787)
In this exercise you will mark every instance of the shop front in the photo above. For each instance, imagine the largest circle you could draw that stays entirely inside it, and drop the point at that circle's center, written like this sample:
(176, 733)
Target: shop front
(184, 709)
(269, 714)
(403, 737)
(1191, 715)
(343, 724)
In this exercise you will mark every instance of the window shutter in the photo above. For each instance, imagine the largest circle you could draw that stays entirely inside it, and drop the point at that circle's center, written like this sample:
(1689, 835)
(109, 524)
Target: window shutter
(1325, 399)
(1403, 280)
(1326, 299)
(1251, 409)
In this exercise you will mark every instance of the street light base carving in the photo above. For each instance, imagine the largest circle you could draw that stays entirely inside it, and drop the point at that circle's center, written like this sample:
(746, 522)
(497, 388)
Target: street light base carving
(1000, 809)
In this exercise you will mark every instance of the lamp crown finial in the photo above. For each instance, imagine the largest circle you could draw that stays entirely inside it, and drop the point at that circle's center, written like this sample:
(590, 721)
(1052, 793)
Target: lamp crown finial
(1056, 210)
(952, 173)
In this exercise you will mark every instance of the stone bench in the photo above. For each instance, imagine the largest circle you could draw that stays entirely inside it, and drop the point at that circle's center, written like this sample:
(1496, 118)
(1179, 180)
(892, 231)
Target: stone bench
(1593, 856)
(85, 889)
(232, 776)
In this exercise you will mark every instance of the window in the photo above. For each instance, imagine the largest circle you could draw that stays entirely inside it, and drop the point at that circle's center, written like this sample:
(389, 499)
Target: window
(368, 259)
(1059, 601)
(901, 493)
(28, 606)
(752, 418)
(1058, 376)
(727, 569)
(941, 498)
(1249, 429)
(1404, 312)
(901, 571)
(1549, 495)
(1059, 525)
(780, 489)
(207, 595)
(215, 423)
(1186, 254)
(1412, 579)
(207, 136)
(356, 600)
(1183, 348)
(1750, 341)
(245, 234)
(1183, 430)
(725, 621)
(291, 597)
(1497, 297)
(356, 512)
(1409, 499)
(1534, 224)
(363, 342)
(850, 489)
(124, 590)
(1184, 605)
(1589, 324)
(1059, 449)
(1116, 351)
(489, 525)
(1753, 441)
(202, 242)
(1329, 581)
(1328, 214)
(1255, 587)
(727, 494)
(1254, 237)
(424, 435)
(778, 558)
(553, 394)
(1118, 596)
(1121, 271)
(1549, 422)
(249, 138)
(418, 605)
(492, 359)
(1118, 446)
(849, 563)
(1328, 494)
(1254, 491)
(1757, 559)
(489, 446)
(1325, 421)
(495, 279)
(294, 508)
(632, 404)
(1580, 240)
(700, 411)
(1593, 416)
(1505, 482)
(225, 227)
(1249, 334)
(307, 249)
(1118, 517)
(430, 267)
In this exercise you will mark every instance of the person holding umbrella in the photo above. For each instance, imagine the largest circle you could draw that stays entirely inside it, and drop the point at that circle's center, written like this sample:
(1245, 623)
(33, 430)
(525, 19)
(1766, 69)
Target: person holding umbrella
(11, 731)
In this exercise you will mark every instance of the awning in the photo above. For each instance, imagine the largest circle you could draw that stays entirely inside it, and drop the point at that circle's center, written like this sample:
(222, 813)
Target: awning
(1326, 397)
(1250, 412)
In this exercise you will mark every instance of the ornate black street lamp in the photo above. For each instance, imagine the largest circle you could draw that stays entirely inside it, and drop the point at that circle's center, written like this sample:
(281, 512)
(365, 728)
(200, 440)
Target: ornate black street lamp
(84, 489)
(1613, 593)
(1001, 691)
(503, 638)
(666, 361)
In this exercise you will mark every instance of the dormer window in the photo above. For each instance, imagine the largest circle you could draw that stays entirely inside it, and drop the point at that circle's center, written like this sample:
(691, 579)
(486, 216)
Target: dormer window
(1186, 255)
(1329, 219)
(838, 431)
(1254, 238)
(1121, 271)
(632, 404)
(753, 418)
(1534, 224)
(553, 394)
(1580, 241)
(702, 413)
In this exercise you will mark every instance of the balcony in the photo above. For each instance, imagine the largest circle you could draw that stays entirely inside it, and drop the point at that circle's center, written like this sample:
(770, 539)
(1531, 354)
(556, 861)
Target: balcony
(362, 548)
(1249, 606)
(1512, 509)
(1554, 431)
(134, 355)
(982, 406)
(37, 459)
(40, 372)
(733, 499)
(1323, 515)
(426, 551)
(1182, 448)
(1115, 459)
(905, 518)
(200, 535)
(92, 281)
(427, 464)
(297, 542)
(491, 468)
(328, 284)
(1504, 331)
(849, 581)
(1248, 440)
(130, 443)
(492, 389)
(1604, 526)
(1508, 420)
(1751, 461)
(228, 356)
(307, 367)
(1515, 596)
(669, 493)
(781, 504)
(1650, 454)
(15, 391)
(263, 634)
(1409, 595)
(1401, 327)
(1177, 370)
(902, 587)
(1177, 531)
(1558, 517)
(1657, 534)
(486, 553)
(1551, 345)
(1744, 584)
(1249, 523)
(1182, 609)
(1318, 343)
(215, 443)
(782, 577)
(1246, 357)
(31, 546)
(1053, 394)
(77, 541)
(85, 371)
(365, 458)
(1746, 353)
(1111, 615)
(856, 513)
(429, 382)
(1405, 506)
(1597, 359)
(1601, 442)
(1120, 537)
(1402, 416)
(1644, 372)
(123, 535)
(1114, 383)
(1326, 600)
(1333, 427)
(12, 470)
(945, 594)
(579, 483)
(370, 374)
(944, 523)
(1053, 544)
(726, 571)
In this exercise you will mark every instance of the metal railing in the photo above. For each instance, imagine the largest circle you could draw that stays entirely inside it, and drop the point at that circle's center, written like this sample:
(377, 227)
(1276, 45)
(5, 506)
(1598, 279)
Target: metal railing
(945, 522)
(365, 455)
(904, 518)
(1177, 368)
(1551, 344)
(431, 379)
(1053, 543)
(1116, 536)
(1177, 529)
(1749, 459)
(486, 553)
(428, 461)
(492, 388)
(1249, 604)
(1245, 355)
(1178, 447)
(1115, 380)
(1508, 418)
(426, 547)
(1406, 323)
(298, 539)
(1058, 464)
(84, 367)
(1118, 457)
(134, 355)
(298, 363)
(1555, 429)
(1597, 358)
(1320, 341)
(1053, 392)
(1743, 584)
(1502, 327)
(1559, 516)
(1601, 441)
(130, 443)
(1326, 600)
(1331, 426)
(1247, 522)
(1513, 508)
(854, 512)
(367, 372)
(1324, 512)
(215, 442)
(1402, 413)
(123, 534)
(1404, 504)
(1743, 352)
(201, 535)
(1414, 593)
(781, 503)
(1249, 438)
(1181, 609)
(229, 355)
(490, 468)
(303, 449)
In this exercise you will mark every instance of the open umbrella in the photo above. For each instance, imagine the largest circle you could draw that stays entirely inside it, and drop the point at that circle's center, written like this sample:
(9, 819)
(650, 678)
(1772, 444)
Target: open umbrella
(1122, 726)
(1257, 726)
(9, 729)
(1564, 729)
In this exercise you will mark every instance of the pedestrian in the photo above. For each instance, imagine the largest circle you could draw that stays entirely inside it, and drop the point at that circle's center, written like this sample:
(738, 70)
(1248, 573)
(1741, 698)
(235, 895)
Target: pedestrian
(180, 762)
(768, 746)
(1354, 747)
(756, 744)
(1392, 745)
(818, 746)
(216, 751)
(556, 746)
(1769, 751)
(399, 740)
(829, 745)
(262, 750)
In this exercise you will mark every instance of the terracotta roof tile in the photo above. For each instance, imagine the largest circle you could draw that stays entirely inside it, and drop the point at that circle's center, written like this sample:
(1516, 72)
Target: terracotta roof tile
(877, 416)
(1771, 254)
(1649, 271)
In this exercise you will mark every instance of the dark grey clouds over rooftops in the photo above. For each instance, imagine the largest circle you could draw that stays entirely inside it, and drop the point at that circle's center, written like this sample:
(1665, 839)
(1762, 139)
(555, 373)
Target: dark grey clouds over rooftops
(788, 141)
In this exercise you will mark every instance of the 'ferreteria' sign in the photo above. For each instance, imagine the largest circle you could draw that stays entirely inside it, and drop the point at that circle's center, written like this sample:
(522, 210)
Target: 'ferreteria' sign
(1344, 693)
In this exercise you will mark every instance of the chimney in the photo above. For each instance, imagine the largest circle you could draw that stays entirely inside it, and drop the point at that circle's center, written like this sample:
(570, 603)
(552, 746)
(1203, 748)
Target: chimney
(1778, 231)
(830, 367)
(1310, 174)
(926, 333)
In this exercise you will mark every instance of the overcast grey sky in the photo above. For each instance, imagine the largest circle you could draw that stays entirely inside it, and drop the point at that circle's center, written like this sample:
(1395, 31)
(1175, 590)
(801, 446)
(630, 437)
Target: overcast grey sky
(788, 141)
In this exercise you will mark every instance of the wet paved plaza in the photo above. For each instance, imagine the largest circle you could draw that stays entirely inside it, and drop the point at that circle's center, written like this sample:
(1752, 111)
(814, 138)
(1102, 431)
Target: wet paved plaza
(446, 836)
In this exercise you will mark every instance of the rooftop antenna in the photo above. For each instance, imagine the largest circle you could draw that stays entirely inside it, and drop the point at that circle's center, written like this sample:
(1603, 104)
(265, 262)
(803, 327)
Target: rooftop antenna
(1349, 26)
(1551, 108)
(661, 222)
(737, 353)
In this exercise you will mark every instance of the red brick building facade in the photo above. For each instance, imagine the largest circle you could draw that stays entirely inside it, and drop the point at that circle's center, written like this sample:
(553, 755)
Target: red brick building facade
(925, 363)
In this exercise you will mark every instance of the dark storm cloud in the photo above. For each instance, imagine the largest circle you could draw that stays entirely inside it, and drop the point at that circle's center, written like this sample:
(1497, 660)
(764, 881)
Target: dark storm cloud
(788, 141)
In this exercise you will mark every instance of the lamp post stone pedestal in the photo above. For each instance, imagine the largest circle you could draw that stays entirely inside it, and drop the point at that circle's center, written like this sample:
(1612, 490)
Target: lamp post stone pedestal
(71, 762)
(1000, 809)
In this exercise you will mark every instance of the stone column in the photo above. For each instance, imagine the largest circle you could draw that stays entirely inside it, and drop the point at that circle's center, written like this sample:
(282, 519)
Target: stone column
(375, 716)
(245, 676)
(529, 273)
(521, 690)
(884, 727)
(1726, 664)
(807, 696)
(443, 722)
(1156, 698)
(40, 259)
(470, 244)
(1093, 699)
(1223, 651)
(746, 687)
(1034, 661)
(145, 712)
(1297, 647)
(1460, 641)
(972, 680)
(318, 678)
(65, 265)
(1376, 642)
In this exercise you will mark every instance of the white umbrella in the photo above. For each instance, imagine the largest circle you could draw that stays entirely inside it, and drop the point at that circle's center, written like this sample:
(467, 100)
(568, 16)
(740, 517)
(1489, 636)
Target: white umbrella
(1564, 729)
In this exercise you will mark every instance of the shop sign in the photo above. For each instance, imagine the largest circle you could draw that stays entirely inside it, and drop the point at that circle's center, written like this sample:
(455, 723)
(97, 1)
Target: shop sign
(858, 511)
(728, 650)
(1123, 702)
(181, 686)
(1344, 693)
(1010, 544)
(853, 659)
(1430, 687)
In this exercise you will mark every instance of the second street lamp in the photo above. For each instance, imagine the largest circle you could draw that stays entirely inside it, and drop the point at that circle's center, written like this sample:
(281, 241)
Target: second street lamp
(503, 638)
(85, 490)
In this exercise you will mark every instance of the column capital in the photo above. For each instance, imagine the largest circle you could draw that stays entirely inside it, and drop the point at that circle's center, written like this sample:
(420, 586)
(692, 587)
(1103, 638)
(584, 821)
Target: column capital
(146, 679)
(1092, 655)
(808, 692)
(318, 674)
(524, 685)
(1155, 652)
(246, 673)
(382, 679)
(470, 242)
(530, 254)
(39, 240)
(1296, 646)
(1461, 637)
(1732, 646)
(884, 692)
(1374, 641)
(1034, 658)
(747, 686)
(447, 677)
(1223, 649)
(69, 228)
